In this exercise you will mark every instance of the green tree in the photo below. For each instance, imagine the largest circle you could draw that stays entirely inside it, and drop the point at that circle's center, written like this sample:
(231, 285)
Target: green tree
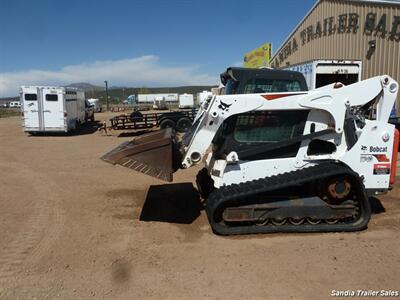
(144, 90)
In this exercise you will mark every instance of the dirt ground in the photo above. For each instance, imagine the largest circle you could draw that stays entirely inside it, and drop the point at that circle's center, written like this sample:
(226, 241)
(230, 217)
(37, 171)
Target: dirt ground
(70, 228)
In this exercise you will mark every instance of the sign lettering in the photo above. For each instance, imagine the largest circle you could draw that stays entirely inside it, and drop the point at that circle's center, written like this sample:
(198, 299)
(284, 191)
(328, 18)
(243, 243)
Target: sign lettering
(373, 25)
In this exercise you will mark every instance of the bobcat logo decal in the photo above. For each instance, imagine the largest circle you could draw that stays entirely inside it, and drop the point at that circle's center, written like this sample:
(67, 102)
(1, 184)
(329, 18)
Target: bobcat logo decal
(223, 106)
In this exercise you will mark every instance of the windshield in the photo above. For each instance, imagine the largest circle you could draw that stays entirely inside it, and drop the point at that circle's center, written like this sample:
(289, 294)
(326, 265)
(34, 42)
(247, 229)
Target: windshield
(230, 87)
(261, 85)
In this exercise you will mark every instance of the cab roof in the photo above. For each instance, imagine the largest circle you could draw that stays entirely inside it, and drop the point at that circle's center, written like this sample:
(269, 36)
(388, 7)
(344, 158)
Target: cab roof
(244, 74)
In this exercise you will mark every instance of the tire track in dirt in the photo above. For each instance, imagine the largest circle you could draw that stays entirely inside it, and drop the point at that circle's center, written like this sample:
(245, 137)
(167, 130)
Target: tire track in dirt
(41, 230)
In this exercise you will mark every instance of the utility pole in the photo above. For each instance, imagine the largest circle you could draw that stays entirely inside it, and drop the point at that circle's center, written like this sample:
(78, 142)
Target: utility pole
(106, 82)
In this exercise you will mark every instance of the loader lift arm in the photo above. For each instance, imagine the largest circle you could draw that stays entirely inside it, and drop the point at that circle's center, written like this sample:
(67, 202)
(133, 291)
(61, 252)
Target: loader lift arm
(334, 101)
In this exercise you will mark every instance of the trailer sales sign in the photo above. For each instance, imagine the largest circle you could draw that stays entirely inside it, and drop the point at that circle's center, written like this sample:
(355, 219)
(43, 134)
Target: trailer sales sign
(384, 26)
(258, 57)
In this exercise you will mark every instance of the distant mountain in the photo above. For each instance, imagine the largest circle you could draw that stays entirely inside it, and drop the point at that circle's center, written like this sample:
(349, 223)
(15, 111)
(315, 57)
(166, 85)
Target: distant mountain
(87, 87)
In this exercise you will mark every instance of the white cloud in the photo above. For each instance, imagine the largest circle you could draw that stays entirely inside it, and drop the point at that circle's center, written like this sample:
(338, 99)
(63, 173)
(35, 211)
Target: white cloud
(135, 72)
(238, 64)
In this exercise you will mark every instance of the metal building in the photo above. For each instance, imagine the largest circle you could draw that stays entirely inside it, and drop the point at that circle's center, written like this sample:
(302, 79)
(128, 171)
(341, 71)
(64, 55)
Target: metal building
(347, 29)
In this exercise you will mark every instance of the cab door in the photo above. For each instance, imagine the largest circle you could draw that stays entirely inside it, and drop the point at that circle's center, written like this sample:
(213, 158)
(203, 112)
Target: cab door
(53, 108)
(30, 99)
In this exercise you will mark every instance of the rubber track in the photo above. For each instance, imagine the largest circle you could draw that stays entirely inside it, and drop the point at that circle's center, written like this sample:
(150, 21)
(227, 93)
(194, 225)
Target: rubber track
(236, 195)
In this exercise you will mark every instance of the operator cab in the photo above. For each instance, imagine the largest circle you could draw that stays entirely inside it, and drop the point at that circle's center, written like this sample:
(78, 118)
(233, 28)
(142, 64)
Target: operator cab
(261, 128)
(254, 81)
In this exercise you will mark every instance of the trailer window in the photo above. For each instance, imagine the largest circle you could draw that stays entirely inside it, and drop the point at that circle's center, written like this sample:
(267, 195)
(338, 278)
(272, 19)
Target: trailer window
(262, 85)
(269, 126)
(51, 97)
(31, 97)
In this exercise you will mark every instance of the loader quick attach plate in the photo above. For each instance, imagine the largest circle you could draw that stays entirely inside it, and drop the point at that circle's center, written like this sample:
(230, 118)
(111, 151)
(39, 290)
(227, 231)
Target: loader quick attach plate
(153, 154)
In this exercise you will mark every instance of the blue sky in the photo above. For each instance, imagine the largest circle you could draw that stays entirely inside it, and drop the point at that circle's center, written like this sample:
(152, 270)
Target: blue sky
(135, 43)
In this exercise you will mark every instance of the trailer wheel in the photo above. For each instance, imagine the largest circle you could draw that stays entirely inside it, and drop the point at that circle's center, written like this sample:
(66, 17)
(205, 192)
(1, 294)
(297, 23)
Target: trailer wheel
(136, 116)
(167, 123)
(183, 124)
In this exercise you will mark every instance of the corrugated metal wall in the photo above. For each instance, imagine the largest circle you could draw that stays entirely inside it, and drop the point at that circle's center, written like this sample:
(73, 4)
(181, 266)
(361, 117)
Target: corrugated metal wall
(385, 59)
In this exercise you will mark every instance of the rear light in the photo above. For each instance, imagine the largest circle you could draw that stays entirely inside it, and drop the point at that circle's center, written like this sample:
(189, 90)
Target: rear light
(394, 156)
(65, 114)
(381, 157)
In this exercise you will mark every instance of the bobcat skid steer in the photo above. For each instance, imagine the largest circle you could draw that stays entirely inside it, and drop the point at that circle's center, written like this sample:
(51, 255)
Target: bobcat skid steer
(282, 162)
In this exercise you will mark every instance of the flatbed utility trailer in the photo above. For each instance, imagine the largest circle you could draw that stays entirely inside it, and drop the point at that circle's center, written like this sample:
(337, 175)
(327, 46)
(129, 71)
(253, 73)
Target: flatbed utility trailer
(179, 120)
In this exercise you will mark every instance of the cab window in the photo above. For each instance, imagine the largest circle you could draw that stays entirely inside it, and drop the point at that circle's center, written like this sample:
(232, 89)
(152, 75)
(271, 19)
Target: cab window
(230, 87)
(269, 126)
(262, 85)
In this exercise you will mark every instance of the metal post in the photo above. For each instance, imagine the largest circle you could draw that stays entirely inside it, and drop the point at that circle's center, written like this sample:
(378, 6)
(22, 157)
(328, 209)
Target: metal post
(106, 82)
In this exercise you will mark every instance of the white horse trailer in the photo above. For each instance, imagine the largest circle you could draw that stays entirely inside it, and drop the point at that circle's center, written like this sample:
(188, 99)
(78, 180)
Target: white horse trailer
(52, 109)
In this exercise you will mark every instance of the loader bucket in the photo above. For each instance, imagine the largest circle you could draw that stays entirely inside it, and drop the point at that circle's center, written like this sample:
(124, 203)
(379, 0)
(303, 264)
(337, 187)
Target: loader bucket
(154, 154)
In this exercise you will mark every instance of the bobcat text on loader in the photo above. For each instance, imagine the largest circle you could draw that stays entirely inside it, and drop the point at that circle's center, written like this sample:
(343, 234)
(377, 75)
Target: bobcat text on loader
(282, 162)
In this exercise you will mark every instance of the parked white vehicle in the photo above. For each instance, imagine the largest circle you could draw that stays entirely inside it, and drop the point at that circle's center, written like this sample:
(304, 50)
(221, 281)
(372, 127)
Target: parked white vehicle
(202, 96)
(186, 101)
(149, 98)
(52, 109)
(159, 103)
(15, 104)
(95, 103)
(319, 73)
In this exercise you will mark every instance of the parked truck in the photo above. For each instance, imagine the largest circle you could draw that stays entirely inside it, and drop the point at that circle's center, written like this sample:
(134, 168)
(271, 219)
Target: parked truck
(52, 109)
(96, 104)
(15, 104)
(149, 98)
(320, 72)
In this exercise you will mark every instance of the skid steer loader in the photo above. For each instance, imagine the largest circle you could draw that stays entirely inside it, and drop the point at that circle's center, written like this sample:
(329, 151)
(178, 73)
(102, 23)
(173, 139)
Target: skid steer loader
(303, 161)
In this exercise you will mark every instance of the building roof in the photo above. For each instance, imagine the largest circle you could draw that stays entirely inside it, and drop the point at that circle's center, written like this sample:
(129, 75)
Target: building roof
(385, 2)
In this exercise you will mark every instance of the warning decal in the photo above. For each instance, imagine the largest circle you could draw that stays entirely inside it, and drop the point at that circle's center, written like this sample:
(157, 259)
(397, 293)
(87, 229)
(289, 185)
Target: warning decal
(381, 169)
